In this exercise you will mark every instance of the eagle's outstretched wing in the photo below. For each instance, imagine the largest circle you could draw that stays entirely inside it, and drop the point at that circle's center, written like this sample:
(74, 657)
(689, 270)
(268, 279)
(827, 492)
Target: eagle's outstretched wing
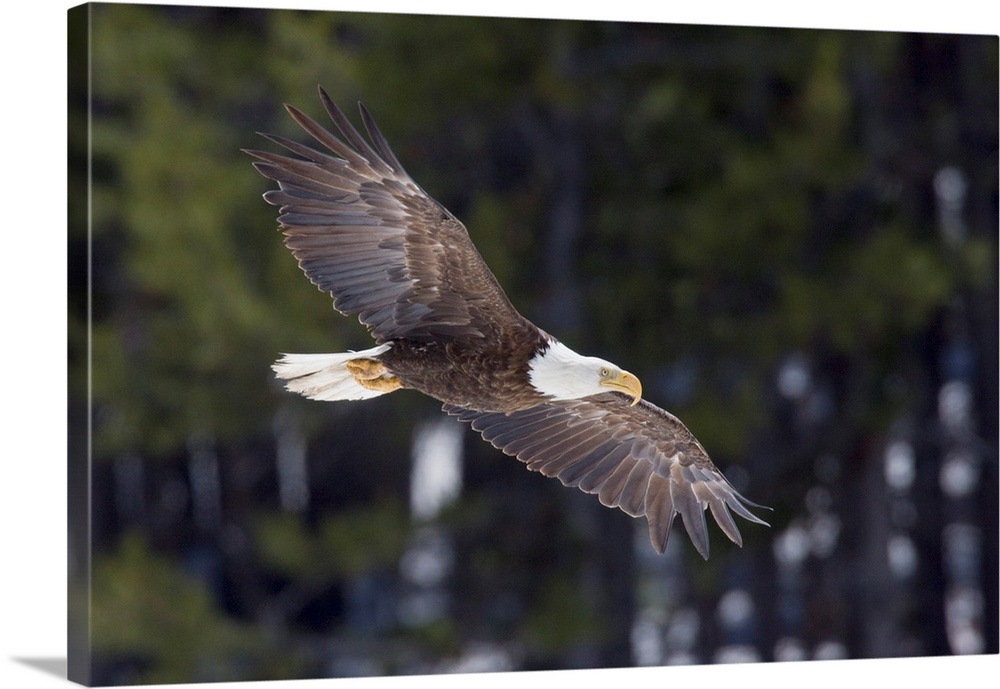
(640, 458)
(366, 233)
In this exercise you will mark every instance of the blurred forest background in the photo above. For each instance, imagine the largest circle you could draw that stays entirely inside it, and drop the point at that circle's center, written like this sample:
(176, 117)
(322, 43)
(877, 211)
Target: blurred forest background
(789, 235)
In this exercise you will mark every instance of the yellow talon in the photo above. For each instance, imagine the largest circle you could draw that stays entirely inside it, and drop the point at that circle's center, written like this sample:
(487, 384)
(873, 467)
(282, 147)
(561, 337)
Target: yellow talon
(372, 374)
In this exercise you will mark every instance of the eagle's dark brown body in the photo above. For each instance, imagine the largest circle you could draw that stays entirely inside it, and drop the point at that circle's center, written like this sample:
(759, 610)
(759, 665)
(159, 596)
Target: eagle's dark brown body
(485, 374)
(363, 231)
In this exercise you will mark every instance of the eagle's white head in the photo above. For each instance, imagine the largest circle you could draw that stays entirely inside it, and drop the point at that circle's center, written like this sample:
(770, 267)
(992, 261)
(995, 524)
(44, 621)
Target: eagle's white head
(562, 374)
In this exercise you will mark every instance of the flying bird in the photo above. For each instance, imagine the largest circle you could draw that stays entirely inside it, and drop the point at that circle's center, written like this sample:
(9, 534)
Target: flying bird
(363, 231)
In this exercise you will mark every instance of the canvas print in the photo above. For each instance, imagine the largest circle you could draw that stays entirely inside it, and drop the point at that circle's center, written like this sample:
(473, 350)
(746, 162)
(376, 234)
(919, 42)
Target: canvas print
(413, 344)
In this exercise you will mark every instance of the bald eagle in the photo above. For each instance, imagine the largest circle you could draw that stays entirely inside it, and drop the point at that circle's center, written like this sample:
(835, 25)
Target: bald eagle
(363, 231)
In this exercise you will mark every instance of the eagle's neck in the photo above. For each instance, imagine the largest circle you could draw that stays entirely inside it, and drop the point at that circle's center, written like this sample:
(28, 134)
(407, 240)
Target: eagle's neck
(561, 374)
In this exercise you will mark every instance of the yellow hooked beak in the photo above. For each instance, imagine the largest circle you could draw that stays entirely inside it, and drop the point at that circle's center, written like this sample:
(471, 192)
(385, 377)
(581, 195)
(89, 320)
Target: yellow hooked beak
(627, 383)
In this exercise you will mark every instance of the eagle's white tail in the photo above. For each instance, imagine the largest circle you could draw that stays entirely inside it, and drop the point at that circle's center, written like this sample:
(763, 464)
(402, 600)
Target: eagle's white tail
(325, 376)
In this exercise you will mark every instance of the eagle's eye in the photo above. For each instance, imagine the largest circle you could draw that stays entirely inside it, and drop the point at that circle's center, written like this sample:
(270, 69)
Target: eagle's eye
(605, 373)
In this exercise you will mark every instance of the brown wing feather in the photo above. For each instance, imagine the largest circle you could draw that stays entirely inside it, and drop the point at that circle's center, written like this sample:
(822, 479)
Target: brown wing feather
(638, 458)
(366, 233)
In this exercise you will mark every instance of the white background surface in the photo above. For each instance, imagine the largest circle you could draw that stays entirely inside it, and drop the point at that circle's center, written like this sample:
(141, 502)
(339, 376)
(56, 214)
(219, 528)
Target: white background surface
(33, 255)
